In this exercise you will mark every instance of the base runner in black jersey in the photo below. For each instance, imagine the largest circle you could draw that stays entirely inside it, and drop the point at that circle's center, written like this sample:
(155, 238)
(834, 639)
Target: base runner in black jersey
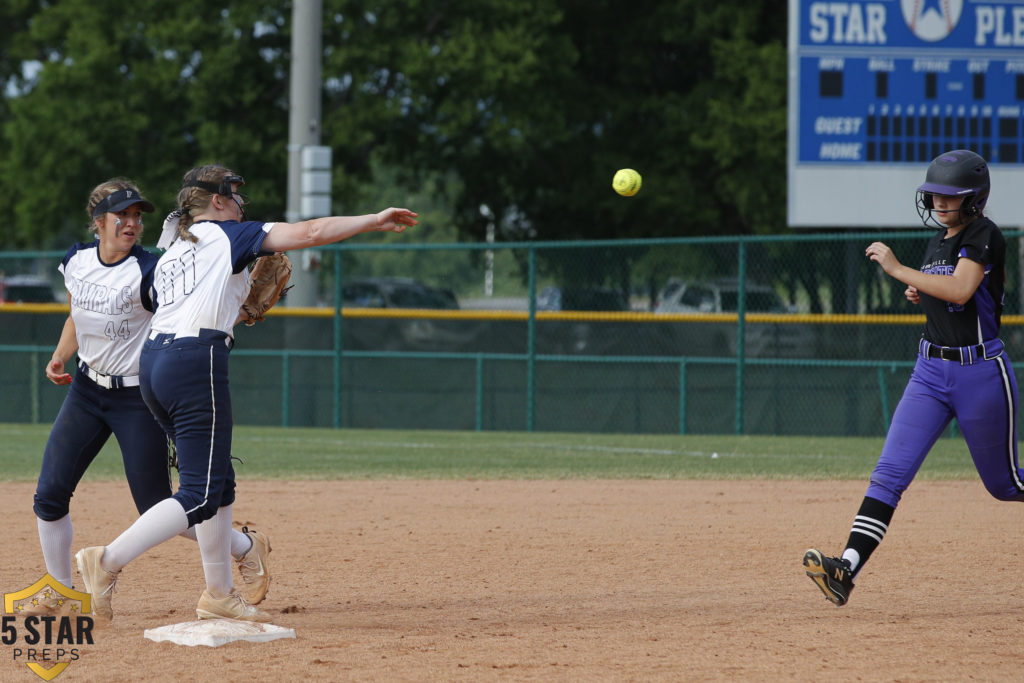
(961, 371)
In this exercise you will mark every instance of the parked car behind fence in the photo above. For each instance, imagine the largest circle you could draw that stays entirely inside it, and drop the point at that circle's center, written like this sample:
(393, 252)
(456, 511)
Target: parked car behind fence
(395, 292)
(762, 339)
(26, 289)
(401, 334)
(581, 299)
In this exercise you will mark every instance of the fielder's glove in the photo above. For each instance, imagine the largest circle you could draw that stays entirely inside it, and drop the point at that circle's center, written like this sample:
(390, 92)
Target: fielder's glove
(268, 280)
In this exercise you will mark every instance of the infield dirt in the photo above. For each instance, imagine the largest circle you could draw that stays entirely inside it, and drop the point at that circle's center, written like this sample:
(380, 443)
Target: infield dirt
(412, 580)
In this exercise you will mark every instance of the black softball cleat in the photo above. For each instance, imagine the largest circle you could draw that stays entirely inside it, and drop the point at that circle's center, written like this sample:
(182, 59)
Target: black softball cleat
(831, 574)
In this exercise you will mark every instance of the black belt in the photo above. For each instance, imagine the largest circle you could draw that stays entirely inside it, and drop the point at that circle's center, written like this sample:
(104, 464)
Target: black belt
(203, 333)
(955, 353)
(965, 355)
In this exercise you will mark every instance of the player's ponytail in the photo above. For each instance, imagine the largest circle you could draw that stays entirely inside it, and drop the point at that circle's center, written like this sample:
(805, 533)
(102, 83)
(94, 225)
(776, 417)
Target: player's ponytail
(196, 194)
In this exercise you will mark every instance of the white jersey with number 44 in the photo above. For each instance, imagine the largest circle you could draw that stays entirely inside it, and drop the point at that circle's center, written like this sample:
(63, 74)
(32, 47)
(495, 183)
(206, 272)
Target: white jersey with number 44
(111, 306)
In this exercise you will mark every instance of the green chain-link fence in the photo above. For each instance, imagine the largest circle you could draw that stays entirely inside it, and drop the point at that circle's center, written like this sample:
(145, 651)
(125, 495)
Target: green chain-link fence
(796, 334)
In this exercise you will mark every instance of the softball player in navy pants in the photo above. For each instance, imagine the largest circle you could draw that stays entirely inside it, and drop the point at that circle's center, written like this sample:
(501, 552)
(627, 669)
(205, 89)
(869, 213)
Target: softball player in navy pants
(201, 282)
(109, 283)
(961, 371)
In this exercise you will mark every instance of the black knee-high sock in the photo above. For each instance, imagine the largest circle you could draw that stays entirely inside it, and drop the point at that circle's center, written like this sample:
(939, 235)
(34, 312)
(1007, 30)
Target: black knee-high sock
(869, 527)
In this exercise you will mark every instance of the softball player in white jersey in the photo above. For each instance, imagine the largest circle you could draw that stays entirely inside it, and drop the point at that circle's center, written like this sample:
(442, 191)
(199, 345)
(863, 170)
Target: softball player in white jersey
(200, 283)
(109, 283)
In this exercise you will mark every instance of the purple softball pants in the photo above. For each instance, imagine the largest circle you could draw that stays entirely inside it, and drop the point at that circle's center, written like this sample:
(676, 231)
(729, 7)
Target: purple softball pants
(978, 388)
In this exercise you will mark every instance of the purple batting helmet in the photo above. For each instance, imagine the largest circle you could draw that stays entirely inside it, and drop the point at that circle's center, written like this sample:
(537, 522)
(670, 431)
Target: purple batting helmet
(959, 173)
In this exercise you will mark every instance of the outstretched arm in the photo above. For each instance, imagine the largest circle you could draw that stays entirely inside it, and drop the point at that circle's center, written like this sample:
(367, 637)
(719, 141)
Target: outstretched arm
(317, 232)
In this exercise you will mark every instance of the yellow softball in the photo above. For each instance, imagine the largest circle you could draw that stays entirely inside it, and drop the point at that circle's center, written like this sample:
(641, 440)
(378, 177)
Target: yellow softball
(626, 182)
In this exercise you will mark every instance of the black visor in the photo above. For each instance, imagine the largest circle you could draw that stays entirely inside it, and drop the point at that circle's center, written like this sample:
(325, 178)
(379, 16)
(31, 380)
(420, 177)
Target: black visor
(121, 200)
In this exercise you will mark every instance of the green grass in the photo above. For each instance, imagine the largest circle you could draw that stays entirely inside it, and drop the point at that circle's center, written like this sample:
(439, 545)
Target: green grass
(277, 453)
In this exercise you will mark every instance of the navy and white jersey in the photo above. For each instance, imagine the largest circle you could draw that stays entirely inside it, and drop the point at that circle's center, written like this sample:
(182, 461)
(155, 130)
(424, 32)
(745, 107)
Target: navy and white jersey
(979, 319)
(111, 306)
(201, 285)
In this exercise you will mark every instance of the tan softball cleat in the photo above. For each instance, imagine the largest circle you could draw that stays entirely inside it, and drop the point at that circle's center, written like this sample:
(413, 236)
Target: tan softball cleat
(53, 604)
(254, 568)
(233, 606)
(98, 581)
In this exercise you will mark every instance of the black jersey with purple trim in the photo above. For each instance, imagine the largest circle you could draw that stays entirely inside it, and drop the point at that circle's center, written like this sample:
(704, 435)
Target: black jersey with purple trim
(978, 320)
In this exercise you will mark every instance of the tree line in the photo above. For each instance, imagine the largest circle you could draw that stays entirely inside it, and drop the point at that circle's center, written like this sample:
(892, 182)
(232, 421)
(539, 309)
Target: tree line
(525, 107)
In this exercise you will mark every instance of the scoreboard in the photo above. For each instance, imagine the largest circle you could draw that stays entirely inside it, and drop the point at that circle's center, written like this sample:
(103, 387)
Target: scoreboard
(879, 88)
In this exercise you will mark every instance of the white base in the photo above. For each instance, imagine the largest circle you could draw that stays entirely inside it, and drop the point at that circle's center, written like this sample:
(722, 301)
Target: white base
(216, 632)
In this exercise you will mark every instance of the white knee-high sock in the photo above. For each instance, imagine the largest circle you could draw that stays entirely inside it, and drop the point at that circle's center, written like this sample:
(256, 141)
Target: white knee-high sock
(214, 536)
(55, 538)
(159, 523)
(240, 543)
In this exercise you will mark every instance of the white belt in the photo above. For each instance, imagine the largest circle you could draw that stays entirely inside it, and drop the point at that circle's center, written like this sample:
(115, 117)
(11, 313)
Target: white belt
(108, 381)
